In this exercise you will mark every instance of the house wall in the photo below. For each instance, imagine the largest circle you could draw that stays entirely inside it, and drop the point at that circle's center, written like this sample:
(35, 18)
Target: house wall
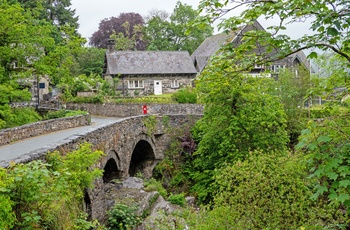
(148, 84)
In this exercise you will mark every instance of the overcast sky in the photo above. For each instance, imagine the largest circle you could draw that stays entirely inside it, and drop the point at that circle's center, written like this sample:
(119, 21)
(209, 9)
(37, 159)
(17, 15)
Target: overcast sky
(92, 12)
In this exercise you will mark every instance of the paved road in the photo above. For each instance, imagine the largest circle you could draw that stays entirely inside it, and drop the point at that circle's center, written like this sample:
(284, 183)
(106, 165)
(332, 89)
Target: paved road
(19, 148)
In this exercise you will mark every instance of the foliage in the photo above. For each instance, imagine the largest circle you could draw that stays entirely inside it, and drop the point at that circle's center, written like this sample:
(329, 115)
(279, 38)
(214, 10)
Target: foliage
(13, 117)
(294, 86)
(326, 142)
(93, 99)
(108, 26)
(174, 32)
(154, 185)
(186, 95)
(150, 122)
(7, 214)
(47, 195)
(178, 199)
(63, 113)
(123, 217)
(332, 73)
(173, 171)
(82, 83)
(165, 221)
(241, 115)
(90, 61)
(56, 12)
(258, 193)
(127, 41)
(329, 23)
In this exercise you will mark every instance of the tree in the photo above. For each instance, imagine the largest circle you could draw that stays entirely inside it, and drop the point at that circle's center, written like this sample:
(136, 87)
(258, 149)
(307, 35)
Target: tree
(293, 91)
(127, 41)
(90, 61)
(57, 12)
(241, 115)
(108, 26)
(329, 23)
(22, 43)
(174, 32)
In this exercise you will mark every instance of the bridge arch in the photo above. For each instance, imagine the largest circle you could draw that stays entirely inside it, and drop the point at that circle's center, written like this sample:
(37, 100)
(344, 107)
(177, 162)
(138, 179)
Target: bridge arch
(112, 168)
(143, 157)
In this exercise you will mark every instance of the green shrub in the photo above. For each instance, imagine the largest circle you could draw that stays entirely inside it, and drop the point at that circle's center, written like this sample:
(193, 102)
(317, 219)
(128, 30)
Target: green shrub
(122, 217)
(93, 99)
(178, 199)
(266, 192)
(185, 96)
(63, 113)
(39, 195)
(19, 116)
(154, 185)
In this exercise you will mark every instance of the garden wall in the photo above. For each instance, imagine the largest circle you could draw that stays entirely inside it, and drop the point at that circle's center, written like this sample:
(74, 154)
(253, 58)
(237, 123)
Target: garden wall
(132, 109)
(42, 127)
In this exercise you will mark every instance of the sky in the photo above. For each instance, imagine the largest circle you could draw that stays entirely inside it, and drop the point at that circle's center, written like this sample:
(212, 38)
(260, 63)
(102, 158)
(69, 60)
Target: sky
(91, 12)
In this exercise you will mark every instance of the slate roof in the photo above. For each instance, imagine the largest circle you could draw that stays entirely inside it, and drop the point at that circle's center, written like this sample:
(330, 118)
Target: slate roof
(149, 62)
(300, 55)
(212, 45)
(209, 47)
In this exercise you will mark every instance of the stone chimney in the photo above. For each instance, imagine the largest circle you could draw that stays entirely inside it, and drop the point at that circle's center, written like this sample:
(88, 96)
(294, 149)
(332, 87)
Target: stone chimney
(111, 45)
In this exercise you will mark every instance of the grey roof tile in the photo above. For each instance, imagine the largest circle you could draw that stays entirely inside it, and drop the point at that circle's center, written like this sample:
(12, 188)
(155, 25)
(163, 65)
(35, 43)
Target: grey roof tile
(149, 62)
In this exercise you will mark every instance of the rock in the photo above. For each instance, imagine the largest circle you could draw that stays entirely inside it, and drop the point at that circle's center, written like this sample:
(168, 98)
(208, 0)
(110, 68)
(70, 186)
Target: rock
(133, 183)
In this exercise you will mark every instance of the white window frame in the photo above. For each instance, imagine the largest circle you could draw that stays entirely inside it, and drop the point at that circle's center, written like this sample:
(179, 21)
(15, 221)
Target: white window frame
(175, 83)
(136, 84)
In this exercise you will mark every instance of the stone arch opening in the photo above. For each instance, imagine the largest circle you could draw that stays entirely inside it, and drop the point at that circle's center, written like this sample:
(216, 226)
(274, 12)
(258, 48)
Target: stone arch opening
(87, 205)
(142, 159)
(111, 171)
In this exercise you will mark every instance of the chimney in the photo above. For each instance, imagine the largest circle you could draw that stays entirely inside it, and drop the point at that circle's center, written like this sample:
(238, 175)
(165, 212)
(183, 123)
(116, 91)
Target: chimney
(111, 45)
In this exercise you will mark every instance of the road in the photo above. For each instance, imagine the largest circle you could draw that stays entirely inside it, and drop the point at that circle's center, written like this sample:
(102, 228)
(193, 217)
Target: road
(19, 148)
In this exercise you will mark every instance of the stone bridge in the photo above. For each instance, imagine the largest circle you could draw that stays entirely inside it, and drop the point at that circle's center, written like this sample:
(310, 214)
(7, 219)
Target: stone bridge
(132, 145)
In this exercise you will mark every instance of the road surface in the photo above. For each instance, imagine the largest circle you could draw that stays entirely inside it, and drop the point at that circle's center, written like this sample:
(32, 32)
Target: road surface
(19, 148)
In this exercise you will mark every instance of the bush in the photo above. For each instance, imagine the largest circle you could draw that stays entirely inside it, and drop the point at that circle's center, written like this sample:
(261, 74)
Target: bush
(266, 192)
(178, 199)
(63, 113)
(154, 185)
(20, 116)
(122, 217)
(94, 99)
(39, 195)
(185, 96)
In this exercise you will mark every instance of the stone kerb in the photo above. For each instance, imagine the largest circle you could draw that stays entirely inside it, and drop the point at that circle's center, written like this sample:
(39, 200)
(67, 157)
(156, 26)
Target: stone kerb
(10, 135)
(132, 109)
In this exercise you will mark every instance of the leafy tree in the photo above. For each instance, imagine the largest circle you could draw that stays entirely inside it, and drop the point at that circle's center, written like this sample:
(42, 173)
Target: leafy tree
(329, 23)
(326, 142)
(58, 12)
(293, 90)
(108, 26)
(175, 33)
(127, 41)
(90, 61)
(241, 115)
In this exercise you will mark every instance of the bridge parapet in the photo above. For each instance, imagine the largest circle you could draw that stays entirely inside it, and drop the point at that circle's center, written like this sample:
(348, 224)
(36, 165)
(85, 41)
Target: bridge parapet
(133, 109)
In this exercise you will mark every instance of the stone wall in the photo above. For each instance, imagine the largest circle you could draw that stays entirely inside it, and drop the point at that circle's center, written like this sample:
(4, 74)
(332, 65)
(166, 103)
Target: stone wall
(132, 109)
(10, 135)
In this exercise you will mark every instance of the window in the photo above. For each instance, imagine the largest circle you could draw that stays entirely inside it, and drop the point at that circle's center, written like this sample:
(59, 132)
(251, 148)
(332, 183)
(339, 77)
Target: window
(135, 84)
(175, 83)
(276, 68)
